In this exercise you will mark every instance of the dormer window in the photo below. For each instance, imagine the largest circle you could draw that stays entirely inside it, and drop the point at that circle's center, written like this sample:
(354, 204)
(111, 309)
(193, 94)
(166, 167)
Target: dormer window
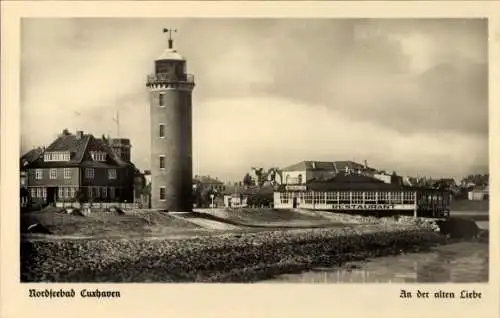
(56, 156)
(98, 155)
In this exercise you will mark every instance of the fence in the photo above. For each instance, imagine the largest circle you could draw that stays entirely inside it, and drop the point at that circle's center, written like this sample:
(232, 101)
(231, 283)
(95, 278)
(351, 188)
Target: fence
(99, 205)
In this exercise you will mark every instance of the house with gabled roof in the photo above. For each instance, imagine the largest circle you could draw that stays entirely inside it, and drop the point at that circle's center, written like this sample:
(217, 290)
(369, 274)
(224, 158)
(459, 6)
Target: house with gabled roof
(80, 165)
(305, 171)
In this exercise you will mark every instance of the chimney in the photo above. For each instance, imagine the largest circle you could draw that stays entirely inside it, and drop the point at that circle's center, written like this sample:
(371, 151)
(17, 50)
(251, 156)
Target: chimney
(79, 134)
(366, 164)
(314, 165)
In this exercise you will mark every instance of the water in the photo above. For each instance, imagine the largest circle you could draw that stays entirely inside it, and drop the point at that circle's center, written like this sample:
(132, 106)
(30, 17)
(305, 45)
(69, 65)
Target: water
(464, 262)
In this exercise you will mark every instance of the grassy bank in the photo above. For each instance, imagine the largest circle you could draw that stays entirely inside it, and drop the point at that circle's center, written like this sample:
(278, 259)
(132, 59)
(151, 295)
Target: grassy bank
(242, 257)
(105, 224)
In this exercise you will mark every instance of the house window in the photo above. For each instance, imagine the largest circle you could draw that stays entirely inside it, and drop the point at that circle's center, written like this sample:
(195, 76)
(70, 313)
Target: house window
(53, 173)
(344, 197)
(383, 197)
(162, 130)
(284, 197)
(66, 192)
(162, 162)
(89, 173)
(60, 193)
(370, 197)
(38, 174)
(67, 173)
(112, 174)
(331, 197)
(56, 156)
(319, 198)
(299, 179)
(161, 100)
(163, 193)
(408, 198)
(38, 192)
(396, 197)
(357, 197)
(98, 155)
(72, 192)
(308, 198)
(44, 193)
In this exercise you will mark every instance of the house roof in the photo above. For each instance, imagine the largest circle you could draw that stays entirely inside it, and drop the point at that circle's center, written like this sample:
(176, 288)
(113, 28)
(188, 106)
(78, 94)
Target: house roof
(326, 166)
(207, 180)
(80, 149)
(31, 156)
(348, 182)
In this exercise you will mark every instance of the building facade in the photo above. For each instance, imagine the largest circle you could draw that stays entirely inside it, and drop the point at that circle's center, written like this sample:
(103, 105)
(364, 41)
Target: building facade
(360, 194)
(208, 182)
(170, 89)
(80, 167)
(479, 194)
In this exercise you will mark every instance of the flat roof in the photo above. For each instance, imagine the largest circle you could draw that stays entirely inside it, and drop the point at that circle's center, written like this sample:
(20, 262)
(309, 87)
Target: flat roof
(348, 183)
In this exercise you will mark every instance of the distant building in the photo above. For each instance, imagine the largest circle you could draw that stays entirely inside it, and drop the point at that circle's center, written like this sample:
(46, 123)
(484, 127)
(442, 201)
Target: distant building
(389, 178)
(479, 193)
(305, 171)
(235, 200)
(26, 159)
(241, 196)
(208, 182)
(80, 165)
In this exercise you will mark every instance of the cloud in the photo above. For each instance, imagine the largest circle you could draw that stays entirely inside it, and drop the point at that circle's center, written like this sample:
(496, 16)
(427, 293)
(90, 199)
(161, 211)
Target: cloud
(392, 82)
(258, 131)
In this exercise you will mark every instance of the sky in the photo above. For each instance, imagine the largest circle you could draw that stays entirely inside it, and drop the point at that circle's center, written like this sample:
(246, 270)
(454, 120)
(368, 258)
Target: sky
(406, 95)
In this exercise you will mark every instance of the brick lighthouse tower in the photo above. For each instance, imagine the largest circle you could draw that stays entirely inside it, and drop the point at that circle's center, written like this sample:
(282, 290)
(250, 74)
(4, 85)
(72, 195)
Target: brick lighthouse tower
(170, 89)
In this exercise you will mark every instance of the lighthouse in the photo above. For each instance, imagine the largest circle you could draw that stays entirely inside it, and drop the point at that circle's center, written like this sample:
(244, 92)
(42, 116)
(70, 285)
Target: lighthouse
(170, 90)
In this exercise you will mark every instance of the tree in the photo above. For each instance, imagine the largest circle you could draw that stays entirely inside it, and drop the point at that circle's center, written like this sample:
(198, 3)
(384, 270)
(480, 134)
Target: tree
(201, 195)
(247, 180)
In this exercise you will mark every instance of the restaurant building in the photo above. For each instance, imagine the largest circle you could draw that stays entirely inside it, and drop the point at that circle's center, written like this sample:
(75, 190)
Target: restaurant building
(354, 193)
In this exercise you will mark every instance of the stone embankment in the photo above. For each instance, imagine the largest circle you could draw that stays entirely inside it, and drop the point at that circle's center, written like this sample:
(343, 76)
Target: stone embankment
(240, 257)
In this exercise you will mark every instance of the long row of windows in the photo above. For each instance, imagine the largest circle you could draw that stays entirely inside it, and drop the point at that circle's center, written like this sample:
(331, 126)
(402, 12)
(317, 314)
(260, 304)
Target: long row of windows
(66, 193)
(98, 155)
(349, 197)
(67, 173)
(101, 192)
(56, 156)
(70, 192)
(38, 192)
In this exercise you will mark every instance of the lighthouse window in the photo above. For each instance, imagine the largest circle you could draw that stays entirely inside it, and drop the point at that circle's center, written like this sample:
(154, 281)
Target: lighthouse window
(162, 162)
(161, 100)
(162, 130)
(163, 193)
